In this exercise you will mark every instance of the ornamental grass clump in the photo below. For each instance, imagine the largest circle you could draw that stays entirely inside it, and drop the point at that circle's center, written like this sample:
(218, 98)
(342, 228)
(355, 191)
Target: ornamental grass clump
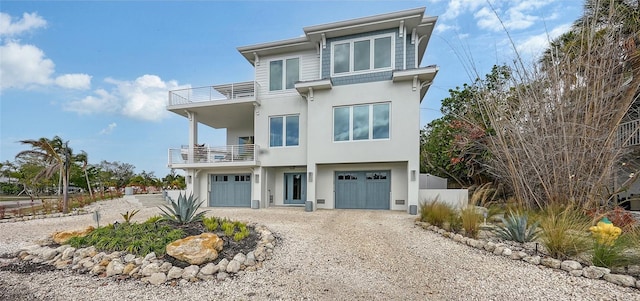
(436, 213)
(564, 231)
(470, 221)
(184, 210)
(516, 227)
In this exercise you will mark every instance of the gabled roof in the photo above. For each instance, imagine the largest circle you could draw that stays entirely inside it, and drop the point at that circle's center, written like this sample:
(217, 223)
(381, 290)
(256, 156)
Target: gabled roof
(411, 19)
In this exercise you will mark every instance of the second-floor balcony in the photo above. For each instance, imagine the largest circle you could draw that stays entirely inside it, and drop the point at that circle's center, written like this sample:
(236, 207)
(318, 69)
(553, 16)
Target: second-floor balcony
(211, 156)
(219, 106)
(629, 133)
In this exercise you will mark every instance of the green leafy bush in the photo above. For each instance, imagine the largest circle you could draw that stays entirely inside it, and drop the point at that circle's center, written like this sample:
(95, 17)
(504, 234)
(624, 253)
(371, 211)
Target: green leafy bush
(436, 213)
(184, 210)
(153, 219)
(516, 227)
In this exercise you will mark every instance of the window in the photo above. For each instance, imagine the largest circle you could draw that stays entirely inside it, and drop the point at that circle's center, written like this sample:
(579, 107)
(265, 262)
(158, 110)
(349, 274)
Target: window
(283, 73)
(284, 130)
(361, 122)
(362, 55)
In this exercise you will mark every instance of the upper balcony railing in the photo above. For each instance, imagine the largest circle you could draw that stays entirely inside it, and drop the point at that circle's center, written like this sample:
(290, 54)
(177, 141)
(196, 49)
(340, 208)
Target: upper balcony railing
(245, 153)
(235, 91)
(629, 133)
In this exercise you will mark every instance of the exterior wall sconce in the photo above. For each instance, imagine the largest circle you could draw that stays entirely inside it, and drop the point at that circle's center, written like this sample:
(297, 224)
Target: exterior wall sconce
(413, 175)
(257, 178)
(310, 176)
(189, 179)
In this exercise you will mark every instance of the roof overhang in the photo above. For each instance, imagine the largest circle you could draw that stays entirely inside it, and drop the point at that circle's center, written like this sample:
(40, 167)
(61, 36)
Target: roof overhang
(307, 88)
(422, 78)
(253, 52)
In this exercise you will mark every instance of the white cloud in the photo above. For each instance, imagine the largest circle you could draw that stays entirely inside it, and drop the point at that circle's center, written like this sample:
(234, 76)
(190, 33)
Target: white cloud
(108, 129)
(74, 81)
(27, 23)
(23, 65)
(536, 44)
(458, 7)
(144, 98)
(441, 27)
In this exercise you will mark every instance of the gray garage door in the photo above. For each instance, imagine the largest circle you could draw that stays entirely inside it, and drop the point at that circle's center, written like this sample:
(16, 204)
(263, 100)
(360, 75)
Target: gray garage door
(363, 189)
(233, 190)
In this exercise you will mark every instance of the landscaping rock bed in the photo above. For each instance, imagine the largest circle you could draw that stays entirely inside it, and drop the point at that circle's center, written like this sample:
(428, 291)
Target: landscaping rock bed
(150, 269)
(624, 276)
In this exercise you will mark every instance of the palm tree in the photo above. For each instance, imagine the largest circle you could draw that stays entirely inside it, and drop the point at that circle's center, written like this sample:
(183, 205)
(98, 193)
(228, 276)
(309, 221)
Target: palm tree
(84, 158)
(56, 156)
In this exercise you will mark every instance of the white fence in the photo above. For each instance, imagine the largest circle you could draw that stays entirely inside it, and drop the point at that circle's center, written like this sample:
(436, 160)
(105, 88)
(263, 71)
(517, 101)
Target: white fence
(456, 198)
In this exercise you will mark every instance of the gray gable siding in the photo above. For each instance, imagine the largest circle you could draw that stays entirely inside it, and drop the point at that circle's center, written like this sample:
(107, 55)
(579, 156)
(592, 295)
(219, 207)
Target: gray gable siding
(369, 77)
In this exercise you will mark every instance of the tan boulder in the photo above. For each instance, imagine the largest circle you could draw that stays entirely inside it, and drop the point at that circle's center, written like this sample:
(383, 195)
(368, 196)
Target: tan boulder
(62, 237)
(196, 249)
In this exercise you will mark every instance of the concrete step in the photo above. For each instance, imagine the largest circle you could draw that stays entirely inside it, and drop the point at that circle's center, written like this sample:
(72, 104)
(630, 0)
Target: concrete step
(149, 200)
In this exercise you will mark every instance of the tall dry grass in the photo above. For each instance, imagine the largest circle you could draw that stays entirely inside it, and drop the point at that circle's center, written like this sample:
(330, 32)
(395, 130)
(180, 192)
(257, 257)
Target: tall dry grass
(554, 127)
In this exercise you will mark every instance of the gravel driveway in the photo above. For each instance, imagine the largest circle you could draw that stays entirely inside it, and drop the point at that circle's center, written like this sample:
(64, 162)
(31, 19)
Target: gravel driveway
(322, 255)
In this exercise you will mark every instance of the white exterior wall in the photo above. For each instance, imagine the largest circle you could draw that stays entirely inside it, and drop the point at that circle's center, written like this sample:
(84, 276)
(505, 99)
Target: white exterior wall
(325, 182)
(233, 134)
(277, 189)
(456, 198)
(402, 146)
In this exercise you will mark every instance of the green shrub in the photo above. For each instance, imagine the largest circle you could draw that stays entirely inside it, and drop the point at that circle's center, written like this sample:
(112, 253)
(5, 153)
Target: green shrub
(153, 219)
(516, 227)
(244, 233)
(184, 210)
(138, 239)
(564, 231)
(470, 221)
(210, 223)
(436, 213)
(229, 228)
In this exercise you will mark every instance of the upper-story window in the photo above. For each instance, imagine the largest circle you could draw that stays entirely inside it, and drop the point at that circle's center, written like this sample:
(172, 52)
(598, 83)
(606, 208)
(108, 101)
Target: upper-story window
(283, 73)
(284, 130)
(362, 55)
(361, 122)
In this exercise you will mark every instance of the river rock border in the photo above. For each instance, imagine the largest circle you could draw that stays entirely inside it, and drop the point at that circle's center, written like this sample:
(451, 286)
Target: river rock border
(572, 267)
(150, 269)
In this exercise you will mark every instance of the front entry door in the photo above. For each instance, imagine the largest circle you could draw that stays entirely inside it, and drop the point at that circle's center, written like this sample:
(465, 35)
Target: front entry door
(295, 188)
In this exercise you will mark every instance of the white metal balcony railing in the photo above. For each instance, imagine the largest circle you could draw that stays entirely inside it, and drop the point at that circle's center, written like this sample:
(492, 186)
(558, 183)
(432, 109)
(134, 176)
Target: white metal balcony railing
(214, 154)
(233, 91)
(629, 133)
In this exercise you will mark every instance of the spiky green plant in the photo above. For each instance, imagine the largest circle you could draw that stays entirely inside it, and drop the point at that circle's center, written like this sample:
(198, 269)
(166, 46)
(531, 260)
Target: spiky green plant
(210, 223)
(516, 227)
(184, 210)
(153, 219)
(127, 216)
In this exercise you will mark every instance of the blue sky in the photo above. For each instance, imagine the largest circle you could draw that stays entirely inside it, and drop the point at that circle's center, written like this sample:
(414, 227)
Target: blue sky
(97, 73)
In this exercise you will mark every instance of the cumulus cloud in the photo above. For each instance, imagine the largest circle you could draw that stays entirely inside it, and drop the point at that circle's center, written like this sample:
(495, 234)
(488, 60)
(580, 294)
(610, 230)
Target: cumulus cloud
(108, 129)
(24, 66)
(144, 98)
(515, 14)
(27, 23)
(74, 81)
(536, 44)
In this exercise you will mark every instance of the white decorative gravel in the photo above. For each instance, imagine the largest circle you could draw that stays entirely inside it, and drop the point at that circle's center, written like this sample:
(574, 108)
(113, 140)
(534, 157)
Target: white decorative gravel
(321, 255)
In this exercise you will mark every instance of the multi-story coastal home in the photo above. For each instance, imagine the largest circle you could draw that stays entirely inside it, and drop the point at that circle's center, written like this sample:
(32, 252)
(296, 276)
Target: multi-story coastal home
(331, 119)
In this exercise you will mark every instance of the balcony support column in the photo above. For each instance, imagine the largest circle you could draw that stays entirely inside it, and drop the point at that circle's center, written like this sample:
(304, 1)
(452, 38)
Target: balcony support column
(193, 134)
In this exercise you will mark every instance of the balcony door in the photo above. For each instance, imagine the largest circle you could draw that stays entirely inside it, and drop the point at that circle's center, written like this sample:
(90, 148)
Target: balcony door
(295, 188)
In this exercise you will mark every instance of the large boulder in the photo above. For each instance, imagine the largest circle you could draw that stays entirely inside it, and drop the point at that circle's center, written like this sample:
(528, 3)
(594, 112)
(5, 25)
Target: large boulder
(62, 237)
(196, 249)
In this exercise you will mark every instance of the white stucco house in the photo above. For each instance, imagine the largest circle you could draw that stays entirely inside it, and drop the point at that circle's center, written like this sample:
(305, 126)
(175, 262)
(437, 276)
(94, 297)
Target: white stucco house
(330, 120)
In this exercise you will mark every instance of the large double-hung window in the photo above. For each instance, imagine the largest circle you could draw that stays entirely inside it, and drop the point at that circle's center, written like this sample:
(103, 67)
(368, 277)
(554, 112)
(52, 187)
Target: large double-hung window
(284, 130)
(362, 55)
(284, 73)
(361, 122)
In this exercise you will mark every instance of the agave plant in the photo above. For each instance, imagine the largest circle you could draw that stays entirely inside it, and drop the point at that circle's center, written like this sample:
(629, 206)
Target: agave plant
(516, 228)
(184, 210)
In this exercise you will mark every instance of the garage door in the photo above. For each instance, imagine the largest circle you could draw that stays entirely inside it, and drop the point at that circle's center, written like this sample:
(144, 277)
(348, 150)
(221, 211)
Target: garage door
(233, 190)
(363, 189)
